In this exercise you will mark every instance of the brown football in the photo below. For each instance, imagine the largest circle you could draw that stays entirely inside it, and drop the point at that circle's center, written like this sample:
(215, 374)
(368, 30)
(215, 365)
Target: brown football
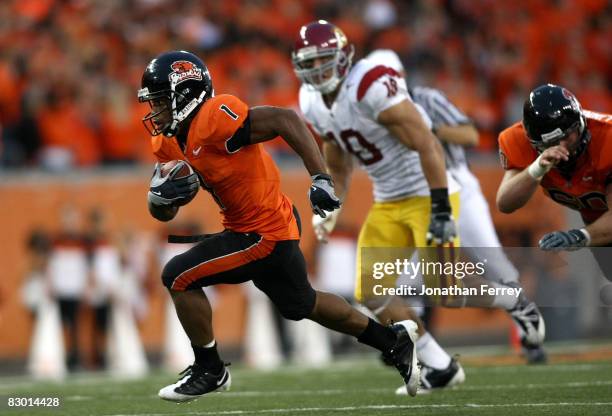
(184, 170)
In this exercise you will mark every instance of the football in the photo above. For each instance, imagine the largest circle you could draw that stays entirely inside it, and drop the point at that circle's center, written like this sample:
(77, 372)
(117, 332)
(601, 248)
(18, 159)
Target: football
(184, 168)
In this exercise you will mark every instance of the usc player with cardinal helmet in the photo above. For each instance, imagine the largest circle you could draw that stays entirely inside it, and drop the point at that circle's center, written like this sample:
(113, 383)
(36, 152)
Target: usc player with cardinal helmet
(220, 136)
(363, 112)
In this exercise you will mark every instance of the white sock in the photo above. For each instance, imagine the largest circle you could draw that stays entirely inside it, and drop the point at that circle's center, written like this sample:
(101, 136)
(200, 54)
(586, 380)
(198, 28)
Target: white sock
(430, 353)
(507, 302)
(504, 302)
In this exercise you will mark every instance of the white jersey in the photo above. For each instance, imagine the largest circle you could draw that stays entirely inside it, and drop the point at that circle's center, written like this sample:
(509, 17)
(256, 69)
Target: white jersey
(369, 89)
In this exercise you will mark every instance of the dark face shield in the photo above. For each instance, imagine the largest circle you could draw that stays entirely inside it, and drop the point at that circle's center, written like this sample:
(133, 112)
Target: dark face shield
(160, 116)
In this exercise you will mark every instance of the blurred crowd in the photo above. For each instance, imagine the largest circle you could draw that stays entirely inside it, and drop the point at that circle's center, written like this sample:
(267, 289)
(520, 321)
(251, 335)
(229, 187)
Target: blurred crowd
(69, 69)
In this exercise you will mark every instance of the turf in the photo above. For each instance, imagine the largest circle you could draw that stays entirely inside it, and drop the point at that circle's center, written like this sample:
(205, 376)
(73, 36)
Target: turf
(357, 387)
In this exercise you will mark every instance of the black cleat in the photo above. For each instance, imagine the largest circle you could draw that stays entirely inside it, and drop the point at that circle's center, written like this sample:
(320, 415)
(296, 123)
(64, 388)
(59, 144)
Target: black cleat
(195, 382)
(534, 354)
(434, 379)
(531, 326)
(403, 354)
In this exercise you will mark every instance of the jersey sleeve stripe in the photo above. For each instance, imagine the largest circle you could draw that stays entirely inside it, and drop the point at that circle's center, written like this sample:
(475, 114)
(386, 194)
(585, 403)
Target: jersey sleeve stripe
(371, 76)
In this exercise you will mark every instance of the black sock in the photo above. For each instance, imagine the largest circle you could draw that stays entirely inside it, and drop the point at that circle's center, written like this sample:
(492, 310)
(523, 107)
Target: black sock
(208, 358)
(378, 336)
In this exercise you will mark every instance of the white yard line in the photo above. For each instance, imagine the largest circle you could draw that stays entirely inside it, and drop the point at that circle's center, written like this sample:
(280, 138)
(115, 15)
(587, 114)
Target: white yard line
(10, 383)
(6, 389)
(293, 410)
(330, 392)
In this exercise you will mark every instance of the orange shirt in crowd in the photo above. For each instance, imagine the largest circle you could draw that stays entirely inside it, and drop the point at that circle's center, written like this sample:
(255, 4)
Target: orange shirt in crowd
(122, 134)
(64, 126)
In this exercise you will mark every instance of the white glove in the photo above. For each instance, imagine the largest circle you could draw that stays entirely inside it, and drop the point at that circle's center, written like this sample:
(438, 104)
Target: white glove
(324, 226)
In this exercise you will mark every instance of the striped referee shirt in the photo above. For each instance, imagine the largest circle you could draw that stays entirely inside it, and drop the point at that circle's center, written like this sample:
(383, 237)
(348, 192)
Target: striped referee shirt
(442, 112)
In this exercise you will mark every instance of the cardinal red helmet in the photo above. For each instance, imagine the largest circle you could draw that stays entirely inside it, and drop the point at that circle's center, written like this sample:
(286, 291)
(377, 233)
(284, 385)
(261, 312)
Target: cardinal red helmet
(322, 55)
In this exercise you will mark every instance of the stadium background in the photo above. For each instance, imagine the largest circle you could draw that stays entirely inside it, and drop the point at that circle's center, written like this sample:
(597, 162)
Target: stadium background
(71, 130)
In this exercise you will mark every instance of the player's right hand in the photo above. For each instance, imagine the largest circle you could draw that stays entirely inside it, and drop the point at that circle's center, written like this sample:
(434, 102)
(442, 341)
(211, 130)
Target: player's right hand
(323, 226)
(553, 155)
(565, 240)
(441, 229)
(321, 194)
(168, 190)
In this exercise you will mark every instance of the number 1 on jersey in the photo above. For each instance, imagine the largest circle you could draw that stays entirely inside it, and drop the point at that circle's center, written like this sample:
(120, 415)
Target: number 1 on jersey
(229, 112)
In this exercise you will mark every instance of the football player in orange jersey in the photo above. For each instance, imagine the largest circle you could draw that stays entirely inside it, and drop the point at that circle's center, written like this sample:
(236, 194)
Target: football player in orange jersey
(219, 136)
(567, 151)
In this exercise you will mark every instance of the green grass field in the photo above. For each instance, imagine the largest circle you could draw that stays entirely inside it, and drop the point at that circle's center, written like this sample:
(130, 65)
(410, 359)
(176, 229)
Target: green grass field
(357, 387)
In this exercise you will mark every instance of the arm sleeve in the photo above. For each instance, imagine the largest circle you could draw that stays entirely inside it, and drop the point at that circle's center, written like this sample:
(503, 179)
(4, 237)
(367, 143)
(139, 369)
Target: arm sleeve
(514, 150)
(384, 92)
(226, 115)
(240, 138)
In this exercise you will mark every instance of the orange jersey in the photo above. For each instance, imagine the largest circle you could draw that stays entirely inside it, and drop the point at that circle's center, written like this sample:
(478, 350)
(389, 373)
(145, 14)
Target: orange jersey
(585, 190)
(245, 183)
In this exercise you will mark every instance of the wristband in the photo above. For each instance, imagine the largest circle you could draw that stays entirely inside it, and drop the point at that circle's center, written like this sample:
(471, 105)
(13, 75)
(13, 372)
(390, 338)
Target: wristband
(439, 200)
(323, 176)
(587, 236)
(537, 171)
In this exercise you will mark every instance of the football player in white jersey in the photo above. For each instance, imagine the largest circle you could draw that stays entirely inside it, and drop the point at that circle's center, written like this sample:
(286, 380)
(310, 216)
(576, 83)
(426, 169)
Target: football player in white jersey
(364, 111)
(478, 236)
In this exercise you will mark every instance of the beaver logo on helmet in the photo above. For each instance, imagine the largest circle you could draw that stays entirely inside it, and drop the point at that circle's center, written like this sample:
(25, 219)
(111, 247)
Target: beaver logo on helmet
(567, 94)
(184, 70)
(572, 99)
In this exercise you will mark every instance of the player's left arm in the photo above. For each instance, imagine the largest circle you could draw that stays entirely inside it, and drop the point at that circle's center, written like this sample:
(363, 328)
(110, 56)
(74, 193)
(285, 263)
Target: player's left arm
(463, 134)
(598, 233)
(452, 125)
(405, 123)
(268, 122)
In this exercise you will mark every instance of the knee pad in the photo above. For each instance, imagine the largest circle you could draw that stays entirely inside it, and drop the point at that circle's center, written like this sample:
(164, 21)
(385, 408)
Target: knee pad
(295, 312)
(170, 273)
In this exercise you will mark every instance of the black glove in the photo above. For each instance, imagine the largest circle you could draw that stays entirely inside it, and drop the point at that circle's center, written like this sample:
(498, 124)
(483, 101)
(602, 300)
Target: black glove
(441, 226)
(321, 194)
(565, 240)
(168, 190)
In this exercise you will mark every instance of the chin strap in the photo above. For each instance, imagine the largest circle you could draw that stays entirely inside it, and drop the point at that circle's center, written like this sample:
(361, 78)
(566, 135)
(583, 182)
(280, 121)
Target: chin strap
(181, 115)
